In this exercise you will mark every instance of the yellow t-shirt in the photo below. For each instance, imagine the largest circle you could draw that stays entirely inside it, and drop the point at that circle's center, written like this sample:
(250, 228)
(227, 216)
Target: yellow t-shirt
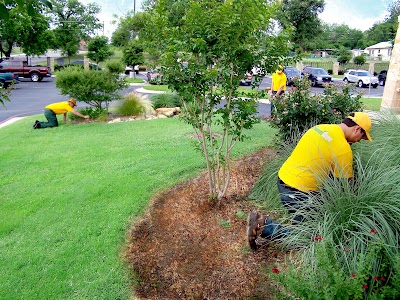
(60, 107)
(322, 150)
(278, 80)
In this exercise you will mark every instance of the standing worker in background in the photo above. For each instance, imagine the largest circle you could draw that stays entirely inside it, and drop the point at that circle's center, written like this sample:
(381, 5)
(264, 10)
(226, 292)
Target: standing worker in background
(278, 86)
(52, 110)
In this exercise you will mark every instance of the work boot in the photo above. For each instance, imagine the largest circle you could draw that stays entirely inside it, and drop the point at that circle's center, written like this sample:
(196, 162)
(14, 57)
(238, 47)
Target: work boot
(36, 125)
(255, 226)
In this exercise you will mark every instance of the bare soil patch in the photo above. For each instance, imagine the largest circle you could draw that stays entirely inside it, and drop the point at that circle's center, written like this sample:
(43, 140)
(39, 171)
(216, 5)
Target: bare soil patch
(190, 247)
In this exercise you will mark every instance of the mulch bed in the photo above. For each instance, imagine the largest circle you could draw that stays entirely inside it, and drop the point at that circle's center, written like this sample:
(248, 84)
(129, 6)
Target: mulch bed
(190, 247)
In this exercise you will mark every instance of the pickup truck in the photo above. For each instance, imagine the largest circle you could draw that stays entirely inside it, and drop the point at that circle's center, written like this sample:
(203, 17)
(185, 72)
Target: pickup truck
(7, 79)
(21, 68)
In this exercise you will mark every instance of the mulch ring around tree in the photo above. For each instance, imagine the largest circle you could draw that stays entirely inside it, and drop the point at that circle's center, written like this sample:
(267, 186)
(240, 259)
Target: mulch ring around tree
(190, 247)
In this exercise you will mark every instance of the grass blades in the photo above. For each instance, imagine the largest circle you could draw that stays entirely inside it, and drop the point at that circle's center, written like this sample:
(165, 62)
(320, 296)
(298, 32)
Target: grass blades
(69, 195)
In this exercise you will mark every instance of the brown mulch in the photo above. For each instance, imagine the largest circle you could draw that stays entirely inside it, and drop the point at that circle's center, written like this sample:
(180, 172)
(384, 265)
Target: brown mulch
(190, 247)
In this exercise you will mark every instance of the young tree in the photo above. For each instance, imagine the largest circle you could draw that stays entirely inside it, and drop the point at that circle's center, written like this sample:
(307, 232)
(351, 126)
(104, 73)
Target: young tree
(133, 54)
(98, 49)
(74, 21)
(207, 46)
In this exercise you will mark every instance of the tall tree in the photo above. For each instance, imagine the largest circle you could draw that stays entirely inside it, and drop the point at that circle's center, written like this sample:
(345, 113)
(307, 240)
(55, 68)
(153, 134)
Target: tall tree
(219, 41)
(302, 15)
(74, 21)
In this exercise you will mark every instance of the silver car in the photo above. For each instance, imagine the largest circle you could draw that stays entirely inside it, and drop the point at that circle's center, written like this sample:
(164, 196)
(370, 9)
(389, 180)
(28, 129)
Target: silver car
(361, 78)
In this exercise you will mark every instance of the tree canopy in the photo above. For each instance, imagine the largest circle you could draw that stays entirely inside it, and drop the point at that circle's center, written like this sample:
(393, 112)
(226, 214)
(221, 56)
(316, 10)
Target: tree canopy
(74, 21)
(302, 16)
(212, 43)
(98, 49)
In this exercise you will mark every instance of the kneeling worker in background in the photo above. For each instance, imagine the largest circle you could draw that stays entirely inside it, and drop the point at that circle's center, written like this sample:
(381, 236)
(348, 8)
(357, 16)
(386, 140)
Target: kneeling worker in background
(52, 110)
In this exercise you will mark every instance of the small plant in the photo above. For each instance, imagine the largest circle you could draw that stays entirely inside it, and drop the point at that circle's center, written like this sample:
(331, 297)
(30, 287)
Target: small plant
(241, 215)
(225, 223)
(322, 277)
(165, 100)
(133, 104)
(95, 113)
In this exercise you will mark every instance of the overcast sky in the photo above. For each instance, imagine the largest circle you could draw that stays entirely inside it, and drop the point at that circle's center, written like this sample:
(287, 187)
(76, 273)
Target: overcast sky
(358, 14)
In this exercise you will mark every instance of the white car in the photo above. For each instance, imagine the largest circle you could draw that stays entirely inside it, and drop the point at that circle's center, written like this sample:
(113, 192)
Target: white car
(361, 77)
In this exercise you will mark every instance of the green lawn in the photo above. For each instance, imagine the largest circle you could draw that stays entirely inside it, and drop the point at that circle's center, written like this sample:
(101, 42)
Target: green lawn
(372, 103)
(69, 195)
(134, 80)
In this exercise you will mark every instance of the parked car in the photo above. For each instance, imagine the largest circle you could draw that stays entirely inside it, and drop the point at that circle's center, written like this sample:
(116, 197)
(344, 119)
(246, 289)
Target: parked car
(6, 79)
(23, 70)
(92, 66)
(382, 77)
(291, 75)
(361, 77)
(246, 80)
(317, 76)
(129, 69)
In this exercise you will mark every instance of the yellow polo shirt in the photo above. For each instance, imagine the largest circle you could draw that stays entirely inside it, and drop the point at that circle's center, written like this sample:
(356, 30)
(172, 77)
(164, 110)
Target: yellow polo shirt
(322, 150)
(60, 107)
(278, 80)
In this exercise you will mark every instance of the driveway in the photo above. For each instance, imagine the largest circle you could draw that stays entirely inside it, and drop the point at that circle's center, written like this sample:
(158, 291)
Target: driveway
(29, 98)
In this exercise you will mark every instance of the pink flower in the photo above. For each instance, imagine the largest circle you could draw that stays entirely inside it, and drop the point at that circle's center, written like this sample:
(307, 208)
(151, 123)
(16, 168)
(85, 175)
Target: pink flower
(365, 286)
(346, 251)
(373, 231)
(317, 238)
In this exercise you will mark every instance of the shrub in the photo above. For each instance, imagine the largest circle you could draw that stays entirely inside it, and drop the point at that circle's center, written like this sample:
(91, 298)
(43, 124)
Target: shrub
(299, 109)
(94, 87)
(322, 277)
(133, 104)
(115, 67)
(359, 60)
(95, 113)
(165, 100)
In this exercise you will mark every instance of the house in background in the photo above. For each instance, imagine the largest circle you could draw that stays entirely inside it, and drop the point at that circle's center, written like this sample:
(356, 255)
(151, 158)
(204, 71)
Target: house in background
(380, 51)
(357, 52)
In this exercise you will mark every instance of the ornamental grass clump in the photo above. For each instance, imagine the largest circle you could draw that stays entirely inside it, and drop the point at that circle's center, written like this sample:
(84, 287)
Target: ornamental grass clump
(133, 104)
(351, 230)
(166, 100)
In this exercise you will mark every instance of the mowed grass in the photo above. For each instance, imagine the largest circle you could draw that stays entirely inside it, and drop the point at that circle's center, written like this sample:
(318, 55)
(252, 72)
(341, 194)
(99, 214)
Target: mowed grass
(372, 103)
(69, 194)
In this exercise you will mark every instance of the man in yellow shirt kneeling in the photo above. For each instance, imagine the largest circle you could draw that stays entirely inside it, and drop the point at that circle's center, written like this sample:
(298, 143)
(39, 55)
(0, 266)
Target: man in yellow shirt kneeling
(52, 110)
(324, 150)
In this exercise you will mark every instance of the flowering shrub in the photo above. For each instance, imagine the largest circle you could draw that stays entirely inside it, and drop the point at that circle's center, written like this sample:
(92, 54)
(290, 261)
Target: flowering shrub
(324, 278)
(298, 109)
